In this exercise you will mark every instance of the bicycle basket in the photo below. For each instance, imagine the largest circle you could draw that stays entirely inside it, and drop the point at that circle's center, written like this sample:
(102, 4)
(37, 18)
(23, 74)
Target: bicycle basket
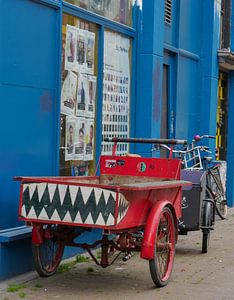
(192, 159)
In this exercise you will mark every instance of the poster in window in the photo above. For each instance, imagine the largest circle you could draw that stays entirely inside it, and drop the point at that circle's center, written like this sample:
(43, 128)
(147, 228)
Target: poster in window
(90, 52)
(81, 49)
(91, 95)
(116, 90)
(89, 132)
(79, 139)
(82, 94)
(70, 137)
(68, 94)
(81, 169)
(71, 48)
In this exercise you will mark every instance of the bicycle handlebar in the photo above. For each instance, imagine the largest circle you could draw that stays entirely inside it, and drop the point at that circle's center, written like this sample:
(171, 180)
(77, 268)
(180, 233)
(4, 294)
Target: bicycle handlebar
(198, 137)
(201, 148)
(146, 141)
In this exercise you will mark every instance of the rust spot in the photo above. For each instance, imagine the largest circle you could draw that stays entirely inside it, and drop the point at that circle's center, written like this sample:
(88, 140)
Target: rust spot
(46, 102)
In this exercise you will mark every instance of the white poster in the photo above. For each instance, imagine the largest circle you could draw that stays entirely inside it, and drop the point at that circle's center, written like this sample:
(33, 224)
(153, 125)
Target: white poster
(89, 135)
(91, 95)
(82, 94)
(68, 94)
(70, 137)
(116, 90)
(90, 52)
(79, 139)
(71, 48)
(81, 49)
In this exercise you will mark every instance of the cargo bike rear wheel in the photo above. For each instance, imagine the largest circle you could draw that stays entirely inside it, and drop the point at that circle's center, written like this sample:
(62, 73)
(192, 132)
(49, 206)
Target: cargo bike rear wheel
(48, 255)
(164, 249)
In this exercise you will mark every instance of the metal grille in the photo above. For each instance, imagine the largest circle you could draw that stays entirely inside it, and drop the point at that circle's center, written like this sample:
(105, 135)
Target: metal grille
(167, 11)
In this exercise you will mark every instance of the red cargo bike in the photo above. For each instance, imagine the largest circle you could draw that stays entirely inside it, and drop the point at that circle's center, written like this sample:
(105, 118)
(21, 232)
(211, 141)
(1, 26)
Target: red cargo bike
(131, 194)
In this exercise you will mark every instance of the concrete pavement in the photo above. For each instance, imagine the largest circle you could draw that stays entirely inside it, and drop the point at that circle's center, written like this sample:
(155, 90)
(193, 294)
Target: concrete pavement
(195, 275)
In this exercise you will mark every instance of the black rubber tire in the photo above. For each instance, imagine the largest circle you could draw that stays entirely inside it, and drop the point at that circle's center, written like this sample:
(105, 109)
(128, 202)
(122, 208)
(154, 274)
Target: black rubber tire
(207, 223)
(48, 255)
(161, 265)
(205, 240)
(220, 198)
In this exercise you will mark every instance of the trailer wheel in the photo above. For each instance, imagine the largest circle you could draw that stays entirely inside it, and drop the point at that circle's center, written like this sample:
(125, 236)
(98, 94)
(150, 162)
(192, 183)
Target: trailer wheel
(164, 249)
(48, 255)
(205, 240)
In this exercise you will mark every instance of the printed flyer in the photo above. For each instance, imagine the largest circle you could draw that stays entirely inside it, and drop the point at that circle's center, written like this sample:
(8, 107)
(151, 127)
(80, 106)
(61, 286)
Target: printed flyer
(91, 86)
(80, 139)
(70, 137)
(116, 90)
(71, 48)
(81, 49)
(90, 52)
(82, 94)
(68, 94)
(89, 135)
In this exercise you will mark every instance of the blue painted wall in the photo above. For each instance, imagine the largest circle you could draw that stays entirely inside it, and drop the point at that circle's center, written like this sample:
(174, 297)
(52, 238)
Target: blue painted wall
(230, 143)
(27, 92)
(189, 47)
(149, 87)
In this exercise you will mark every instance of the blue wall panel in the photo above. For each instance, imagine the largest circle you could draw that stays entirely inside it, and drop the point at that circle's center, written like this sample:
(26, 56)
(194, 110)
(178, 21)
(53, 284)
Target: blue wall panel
(28, 143)
(27, 92)
(230, 143)
(190, 24)
(187, 108)
(27, 50)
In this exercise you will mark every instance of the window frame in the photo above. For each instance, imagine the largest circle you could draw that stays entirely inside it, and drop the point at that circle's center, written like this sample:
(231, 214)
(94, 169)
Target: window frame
(103, 24)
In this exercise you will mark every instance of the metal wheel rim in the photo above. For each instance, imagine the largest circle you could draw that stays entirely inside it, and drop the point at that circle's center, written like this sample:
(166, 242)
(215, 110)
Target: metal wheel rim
(50, 253)
(165, 246)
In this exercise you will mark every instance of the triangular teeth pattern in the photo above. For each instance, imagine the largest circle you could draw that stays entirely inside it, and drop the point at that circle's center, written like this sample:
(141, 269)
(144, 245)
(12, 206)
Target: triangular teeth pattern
(89, 219)
(73, 192)
(23, 211)
(110, 220)
(51, 189)
(73, 204)
(98, 193)
(32, 188)
(55, 216)
(25, 186)
(62, 192)
(67, 218)
(32, 213)
(41, 189)
(43, 215)
(123, 205)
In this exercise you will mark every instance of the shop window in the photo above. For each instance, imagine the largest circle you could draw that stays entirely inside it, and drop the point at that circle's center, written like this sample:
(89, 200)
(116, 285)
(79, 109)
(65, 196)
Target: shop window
(78, 96)
(116, 10)
(116, 90)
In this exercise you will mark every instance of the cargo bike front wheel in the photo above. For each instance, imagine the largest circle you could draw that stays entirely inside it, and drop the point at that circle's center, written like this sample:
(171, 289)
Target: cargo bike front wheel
(48, 255)
(164, 249)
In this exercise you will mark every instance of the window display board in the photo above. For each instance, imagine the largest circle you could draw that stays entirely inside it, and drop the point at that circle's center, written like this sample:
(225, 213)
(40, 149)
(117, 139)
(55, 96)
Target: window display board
(116, 90)
(78, 96)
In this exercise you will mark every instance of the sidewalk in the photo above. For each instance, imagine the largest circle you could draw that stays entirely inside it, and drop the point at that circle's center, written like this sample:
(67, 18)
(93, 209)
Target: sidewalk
(195, 275)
